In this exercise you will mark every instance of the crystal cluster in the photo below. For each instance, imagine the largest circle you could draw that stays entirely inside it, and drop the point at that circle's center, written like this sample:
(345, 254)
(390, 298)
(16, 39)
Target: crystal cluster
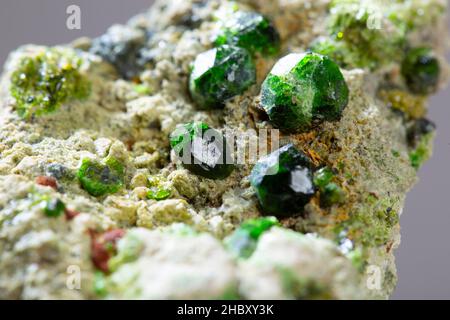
(42, 83)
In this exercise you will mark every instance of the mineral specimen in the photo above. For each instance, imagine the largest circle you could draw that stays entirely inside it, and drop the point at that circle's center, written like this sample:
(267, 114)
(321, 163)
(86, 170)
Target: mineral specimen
(54, 207)
(43, 82)
(304, 89)
(101, 178)
(330, 192)
(283, 182)
(157, 189)
(203, 150)
(317, 218)
(242, 242)
(220, 74)
(123, 47)
(418, 129)
(421, 71)
(251, 31)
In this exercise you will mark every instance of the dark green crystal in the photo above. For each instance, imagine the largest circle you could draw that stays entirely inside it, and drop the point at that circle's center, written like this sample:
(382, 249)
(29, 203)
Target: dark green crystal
(418, 129)
(419, 135)
(251, 31)
(421, 71)
(302, 90)
(242, 242)
(203, 151)
(220, 74)
(98, 178)
(283, 182)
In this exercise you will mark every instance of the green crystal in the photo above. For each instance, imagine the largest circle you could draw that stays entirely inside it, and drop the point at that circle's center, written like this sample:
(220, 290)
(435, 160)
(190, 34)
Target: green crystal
(98, 178)
(283, 182)
(302, 90)
(322, 177)
(242, 242)
(421, 71)
(330, 192)
(422, 150)
(251, 31)
(159, 194)
(100, 284)
(367, 32)
(220, 74)
(43, 82)
(202, 150)
(54, 207)
(330, 48)
(158, 191)
(256, 227)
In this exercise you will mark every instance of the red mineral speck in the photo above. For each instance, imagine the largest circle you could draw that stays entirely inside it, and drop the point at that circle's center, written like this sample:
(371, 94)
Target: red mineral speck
(70, 214)
(47, 182)
(104, 246)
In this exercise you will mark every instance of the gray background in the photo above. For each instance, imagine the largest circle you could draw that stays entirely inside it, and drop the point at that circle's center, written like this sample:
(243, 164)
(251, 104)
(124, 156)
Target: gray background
(423, 258)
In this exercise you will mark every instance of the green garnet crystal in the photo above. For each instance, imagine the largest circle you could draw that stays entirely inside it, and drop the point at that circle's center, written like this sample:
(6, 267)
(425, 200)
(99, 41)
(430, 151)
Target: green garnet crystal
(242, 242)
(54, 207)
(220, 74)
(421, 71)
(202, 150)
(330, 192)
(283, 182)
(101, 178)
(158, 190)
(251, 31)
(42, 83)
(303, 89)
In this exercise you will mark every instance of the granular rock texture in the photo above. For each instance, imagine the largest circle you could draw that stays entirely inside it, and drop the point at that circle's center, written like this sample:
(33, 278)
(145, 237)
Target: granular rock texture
(94, 202)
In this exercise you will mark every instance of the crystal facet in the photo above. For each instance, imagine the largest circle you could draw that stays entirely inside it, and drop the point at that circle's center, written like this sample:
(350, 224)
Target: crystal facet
(220, 74)
(203, 151)
(283, 182)
(251, 31)
(303, 89)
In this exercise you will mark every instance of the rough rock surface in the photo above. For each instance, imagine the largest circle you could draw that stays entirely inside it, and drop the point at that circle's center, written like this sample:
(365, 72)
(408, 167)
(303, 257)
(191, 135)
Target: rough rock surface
(330, 252)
